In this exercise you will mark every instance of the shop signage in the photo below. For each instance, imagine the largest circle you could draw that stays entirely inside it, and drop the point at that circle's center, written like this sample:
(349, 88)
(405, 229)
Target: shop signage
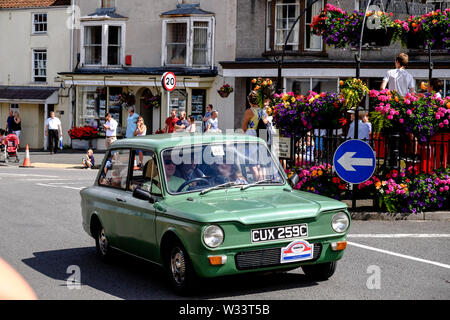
(169, 81)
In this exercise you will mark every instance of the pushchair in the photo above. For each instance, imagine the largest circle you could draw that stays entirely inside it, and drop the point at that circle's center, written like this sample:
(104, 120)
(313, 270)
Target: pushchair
(10, 147)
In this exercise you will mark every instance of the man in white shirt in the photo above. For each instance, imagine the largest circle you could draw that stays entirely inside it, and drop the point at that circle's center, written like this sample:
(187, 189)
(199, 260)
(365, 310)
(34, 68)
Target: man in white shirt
(54, 131)
(111, 130)
(399, 79)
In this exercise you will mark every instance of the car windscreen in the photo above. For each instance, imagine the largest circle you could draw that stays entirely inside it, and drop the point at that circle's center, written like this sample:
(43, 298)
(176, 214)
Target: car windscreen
(200, 167)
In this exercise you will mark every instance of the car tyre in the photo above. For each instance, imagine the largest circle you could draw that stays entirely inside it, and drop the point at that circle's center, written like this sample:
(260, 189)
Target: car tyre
(102, 245)
(179, 269)
(321, 271)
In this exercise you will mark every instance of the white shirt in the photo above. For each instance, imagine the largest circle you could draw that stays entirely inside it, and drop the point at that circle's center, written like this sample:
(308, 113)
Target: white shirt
(53, 124)
(112, 124)
(363, 131)
(399, 80)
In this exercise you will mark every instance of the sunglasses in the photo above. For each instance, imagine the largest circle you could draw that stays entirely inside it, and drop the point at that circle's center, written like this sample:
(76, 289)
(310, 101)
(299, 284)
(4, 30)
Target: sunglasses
(168, 162)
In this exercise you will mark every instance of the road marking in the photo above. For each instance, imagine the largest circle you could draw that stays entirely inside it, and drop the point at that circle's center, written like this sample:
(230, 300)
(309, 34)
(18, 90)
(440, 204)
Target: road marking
(400, 235)
(57, 186)
(25, 175)
(399, 255)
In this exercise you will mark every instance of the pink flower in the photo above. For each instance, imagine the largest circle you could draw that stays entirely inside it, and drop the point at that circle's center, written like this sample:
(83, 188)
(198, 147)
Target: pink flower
(407, 101)
(401, 120)
(409, 112)
(446, 122)
(441, 189)
(441, 125)
(446, 188)
(390, 117)
(438, 116)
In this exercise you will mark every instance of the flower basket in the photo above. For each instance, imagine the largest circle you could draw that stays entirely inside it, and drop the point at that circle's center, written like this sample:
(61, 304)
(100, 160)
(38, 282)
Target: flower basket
(415, 40)
(83, 144)
(223, 94)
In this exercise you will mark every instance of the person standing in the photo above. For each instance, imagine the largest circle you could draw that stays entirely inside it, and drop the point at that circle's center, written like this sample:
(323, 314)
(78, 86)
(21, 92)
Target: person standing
(111, 130)
(252, 115)
(363, 128)
(171, 121)
(53, 130)
(399, 79)
(367, 122)
(435, 85)
(131, 122)
(212, 125)
(191, 127)
(17, 124)
(10, 122)
(209, 109)
(182, 123)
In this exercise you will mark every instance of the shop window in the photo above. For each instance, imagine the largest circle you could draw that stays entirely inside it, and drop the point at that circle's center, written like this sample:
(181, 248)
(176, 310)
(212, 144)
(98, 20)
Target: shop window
(103, 44)
(39, 65)
(187, 42)
(178, 100)
(93, 106)
(281, 16)
(324, 85)
(39, 23)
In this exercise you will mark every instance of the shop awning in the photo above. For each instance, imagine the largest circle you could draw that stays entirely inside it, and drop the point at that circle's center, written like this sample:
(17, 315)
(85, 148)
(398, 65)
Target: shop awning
(18, 94)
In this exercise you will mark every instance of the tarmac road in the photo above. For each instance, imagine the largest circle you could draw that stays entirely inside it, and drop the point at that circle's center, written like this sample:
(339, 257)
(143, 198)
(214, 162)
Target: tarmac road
(42, 238)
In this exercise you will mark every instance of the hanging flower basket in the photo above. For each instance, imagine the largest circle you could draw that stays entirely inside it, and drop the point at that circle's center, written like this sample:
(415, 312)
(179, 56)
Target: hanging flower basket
(225, 90)
(378, 37)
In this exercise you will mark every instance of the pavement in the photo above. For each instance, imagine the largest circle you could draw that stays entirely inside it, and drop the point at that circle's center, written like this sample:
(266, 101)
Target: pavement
(42, 238)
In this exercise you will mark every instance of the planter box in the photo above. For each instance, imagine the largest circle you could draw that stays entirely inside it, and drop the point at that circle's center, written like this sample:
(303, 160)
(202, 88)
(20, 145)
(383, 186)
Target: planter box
(100, 144)
(81, 144)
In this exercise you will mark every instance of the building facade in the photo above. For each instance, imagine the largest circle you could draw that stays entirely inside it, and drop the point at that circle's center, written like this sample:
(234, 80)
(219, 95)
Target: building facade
(124, 47)
(308, 63)
(35, 46)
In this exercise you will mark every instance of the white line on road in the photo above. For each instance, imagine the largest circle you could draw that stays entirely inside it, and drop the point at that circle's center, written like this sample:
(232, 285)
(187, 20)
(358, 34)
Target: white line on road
(57, 186)
(25, 175)
(399, 255)
(400, 235)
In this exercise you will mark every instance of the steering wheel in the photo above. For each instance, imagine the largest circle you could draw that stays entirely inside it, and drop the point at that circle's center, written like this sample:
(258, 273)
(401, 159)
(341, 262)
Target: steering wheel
(186, 183)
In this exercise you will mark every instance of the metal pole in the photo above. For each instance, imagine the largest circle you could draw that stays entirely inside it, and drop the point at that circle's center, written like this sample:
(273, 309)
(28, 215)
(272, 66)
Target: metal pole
(430, 65)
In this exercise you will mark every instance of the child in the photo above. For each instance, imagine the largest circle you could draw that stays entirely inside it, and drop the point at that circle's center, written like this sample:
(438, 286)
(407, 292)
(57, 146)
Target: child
(89, 161)
(399, 79)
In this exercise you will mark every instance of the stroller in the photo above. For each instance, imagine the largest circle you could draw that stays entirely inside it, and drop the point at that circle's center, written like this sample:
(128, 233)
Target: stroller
(9, 148)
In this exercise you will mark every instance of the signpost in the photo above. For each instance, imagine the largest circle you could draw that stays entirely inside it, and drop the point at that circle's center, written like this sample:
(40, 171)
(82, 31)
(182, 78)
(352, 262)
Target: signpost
(354, 161)
(168, 82)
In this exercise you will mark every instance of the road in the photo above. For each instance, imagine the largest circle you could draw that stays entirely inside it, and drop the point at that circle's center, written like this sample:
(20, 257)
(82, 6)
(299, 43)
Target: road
(42, 238)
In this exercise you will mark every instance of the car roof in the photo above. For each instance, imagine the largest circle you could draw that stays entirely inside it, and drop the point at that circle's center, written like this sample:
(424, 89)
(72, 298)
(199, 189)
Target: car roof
(161, 141)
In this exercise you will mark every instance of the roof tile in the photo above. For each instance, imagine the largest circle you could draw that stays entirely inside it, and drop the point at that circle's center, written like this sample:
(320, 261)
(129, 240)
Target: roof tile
(4, 4)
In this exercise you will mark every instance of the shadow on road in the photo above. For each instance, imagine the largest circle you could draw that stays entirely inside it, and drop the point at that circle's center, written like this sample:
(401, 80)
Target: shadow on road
(130, 278)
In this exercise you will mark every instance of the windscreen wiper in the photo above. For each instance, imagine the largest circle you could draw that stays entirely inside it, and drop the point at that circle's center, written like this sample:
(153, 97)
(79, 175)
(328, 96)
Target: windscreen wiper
(257, 183)
(220, 186)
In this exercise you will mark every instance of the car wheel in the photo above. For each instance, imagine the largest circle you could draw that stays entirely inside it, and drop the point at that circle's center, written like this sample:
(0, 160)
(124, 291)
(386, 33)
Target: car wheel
(102, 244)
(179, 269)
(321, 271)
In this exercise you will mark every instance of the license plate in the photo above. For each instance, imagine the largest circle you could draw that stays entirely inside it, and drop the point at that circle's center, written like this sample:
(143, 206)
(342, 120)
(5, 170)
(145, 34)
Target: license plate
(279, 233)
(299, 250)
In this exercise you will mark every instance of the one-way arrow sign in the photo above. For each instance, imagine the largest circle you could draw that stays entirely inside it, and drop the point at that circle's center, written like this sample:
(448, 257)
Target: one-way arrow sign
(348, 162)
(354, 161)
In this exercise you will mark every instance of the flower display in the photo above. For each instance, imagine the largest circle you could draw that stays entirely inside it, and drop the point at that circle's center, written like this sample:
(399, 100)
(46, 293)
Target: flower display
(225, 90)
(353, 91)
(86, 132)
(319, 179)
(420, 114)
(126, 99)
(407, 191)
(265, 90)
(152, 101)
(298, 114)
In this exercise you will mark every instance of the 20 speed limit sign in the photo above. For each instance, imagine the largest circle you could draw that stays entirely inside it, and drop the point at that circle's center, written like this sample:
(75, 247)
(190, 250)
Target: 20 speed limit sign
(168, 81)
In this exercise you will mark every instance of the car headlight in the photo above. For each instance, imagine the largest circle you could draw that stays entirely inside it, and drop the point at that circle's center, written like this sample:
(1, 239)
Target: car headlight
(340, 222)
(213, 236)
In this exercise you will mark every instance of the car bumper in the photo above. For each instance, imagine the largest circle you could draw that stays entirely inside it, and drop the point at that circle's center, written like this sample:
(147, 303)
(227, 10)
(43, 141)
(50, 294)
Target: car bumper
(259, 259)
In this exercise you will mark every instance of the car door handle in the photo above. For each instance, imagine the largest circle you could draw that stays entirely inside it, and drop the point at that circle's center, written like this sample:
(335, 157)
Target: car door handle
(120, 200)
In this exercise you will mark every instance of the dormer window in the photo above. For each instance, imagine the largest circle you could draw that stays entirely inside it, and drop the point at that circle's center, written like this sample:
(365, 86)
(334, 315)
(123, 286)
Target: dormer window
(188, 37)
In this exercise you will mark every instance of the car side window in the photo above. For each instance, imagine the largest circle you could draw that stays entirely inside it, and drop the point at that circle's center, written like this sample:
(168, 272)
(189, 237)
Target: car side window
(115, 170)
(152, 180)
(141, 163)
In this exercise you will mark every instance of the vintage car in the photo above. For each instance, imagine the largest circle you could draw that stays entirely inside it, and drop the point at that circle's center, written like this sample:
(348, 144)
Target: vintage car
(210, 205)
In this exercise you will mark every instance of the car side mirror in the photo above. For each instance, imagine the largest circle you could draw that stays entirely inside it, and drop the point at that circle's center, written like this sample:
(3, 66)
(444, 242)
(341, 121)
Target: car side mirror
(294, 180)
(141, 194)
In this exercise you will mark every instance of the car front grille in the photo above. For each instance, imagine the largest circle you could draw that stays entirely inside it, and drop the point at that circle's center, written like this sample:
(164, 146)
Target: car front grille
(267, 258)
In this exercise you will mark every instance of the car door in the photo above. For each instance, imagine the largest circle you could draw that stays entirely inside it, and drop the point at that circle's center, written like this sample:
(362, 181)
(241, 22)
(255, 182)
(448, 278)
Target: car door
(138, 216)
(110, 198)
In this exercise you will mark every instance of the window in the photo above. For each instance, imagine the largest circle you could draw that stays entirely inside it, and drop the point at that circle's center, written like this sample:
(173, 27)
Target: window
(103, 44)
(146, 177)
(39, 23)
(188, 42)
(115, 170)
(281, 16)
(108, 3)
(39, 65)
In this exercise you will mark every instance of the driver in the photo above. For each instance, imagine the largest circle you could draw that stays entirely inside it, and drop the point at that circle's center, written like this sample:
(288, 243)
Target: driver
(173, 182)
(189, 171)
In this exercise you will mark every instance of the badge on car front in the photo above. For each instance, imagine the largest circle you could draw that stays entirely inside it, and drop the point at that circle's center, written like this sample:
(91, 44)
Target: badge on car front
(299, 250)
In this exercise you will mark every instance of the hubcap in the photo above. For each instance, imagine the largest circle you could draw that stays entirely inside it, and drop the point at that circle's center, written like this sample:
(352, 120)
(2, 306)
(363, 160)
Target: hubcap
(178, 266)
(102, 241)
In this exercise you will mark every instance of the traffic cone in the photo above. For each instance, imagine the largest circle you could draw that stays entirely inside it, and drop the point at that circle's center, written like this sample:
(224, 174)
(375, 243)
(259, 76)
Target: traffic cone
(135, 166)
(26, 161)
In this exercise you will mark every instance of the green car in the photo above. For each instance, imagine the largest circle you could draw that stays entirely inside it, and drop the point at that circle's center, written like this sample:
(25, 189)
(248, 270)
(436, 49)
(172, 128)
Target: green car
(210, 205)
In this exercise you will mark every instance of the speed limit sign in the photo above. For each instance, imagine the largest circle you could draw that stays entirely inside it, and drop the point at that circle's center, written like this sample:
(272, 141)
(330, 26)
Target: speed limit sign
(168, 81)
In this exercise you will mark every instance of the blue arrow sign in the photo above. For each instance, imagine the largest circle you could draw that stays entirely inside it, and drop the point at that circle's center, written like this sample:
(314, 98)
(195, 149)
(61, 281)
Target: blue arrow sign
(354, 161)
